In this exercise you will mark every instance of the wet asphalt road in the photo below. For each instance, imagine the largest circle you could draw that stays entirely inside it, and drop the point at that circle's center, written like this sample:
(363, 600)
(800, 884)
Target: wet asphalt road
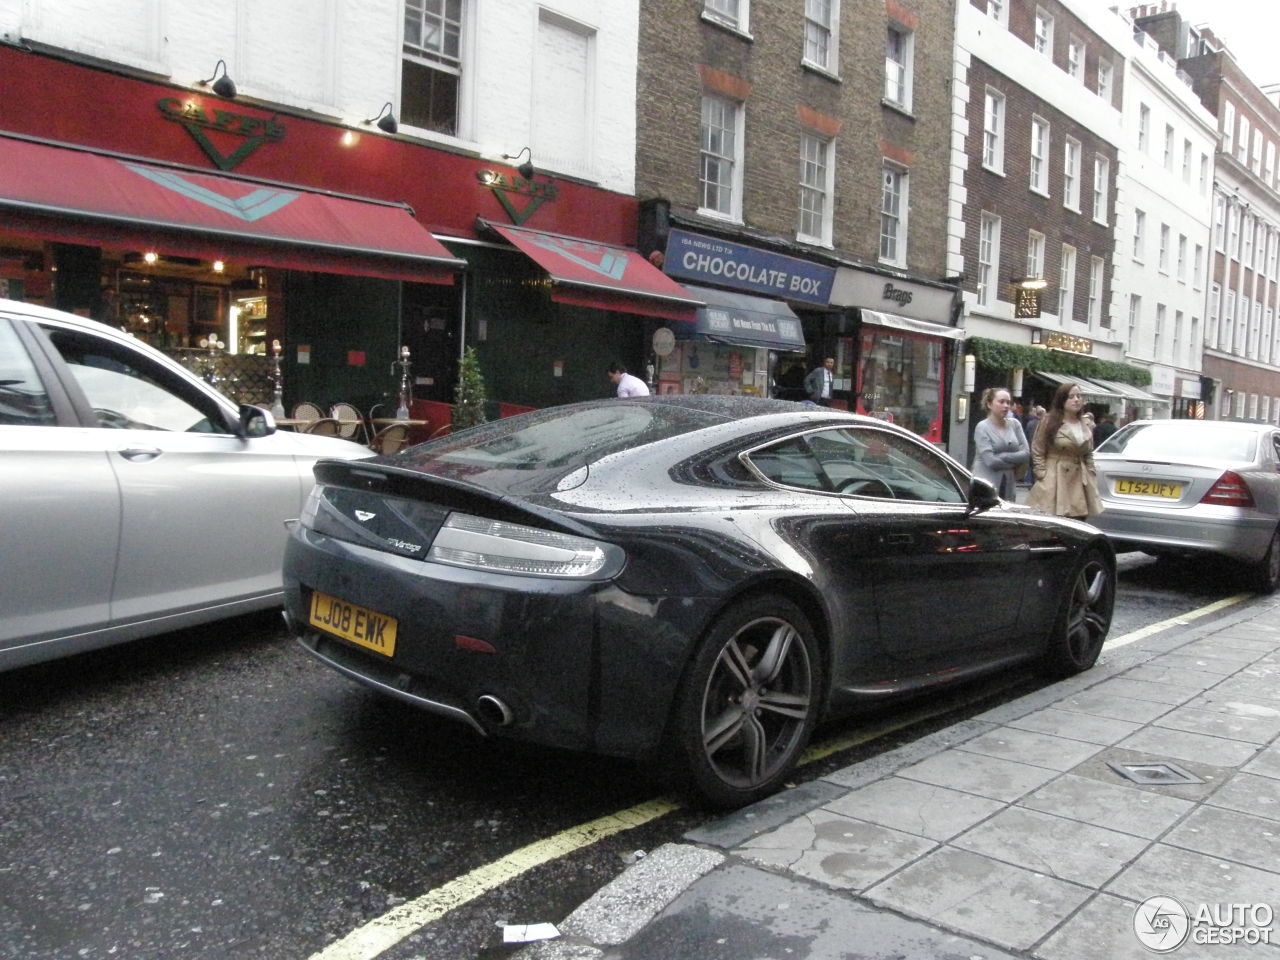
(216, 794)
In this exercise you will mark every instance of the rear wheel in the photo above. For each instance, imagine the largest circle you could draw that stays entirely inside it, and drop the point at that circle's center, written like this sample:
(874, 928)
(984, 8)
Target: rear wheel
(1266, 574)
(1085, 617)
(748, 703)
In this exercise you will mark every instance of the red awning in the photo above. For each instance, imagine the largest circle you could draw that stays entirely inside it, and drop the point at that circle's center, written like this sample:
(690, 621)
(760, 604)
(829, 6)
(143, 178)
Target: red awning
(600, 275)
(64, 193)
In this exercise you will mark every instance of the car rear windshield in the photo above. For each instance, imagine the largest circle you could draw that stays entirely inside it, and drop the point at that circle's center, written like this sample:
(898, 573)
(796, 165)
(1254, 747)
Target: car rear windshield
(536, 449)
(1182, 442)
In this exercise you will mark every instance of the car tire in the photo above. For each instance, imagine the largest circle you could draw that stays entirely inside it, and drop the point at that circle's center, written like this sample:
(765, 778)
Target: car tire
(1266, 575)
(1082, 623)
(747, 704)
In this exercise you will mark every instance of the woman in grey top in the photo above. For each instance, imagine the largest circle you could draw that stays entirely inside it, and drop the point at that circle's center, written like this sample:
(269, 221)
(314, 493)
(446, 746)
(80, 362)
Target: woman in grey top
(1001, 446)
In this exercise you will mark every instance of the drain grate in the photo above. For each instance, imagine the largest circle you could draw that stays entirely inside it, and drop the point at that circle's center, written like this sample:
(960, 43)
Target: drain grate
(1154, 774)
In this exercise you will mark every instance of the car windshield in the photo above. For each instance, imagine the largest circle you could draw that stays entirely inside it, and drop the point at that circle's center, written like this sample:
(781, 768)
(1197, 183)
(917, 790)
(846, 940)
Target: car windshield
(552, 442)
(1182, 441)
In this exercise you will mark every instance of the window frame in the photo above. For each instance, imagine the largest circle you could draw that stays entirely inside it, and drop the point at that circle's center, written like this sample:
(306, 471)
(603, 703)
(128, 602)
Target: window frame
(1071, 173)
(993, 117)
(899, 217)
(1101, 188)
(1038, 155)
(734, 213)
(1035, 254)
(443, 63)
(1042, 33)
(1139, 235)
(989, 225)
(825, 166)
(1094, 309)
(907, 67)
(1067, 283)
(739, 21)
(823, 35)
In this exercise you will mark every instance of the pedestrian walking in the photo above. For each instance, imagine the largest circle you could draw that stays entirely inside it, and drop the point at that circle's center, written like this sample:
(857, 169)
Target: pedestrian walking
(628, 385)
(819, 380)
(1001, 445)
(1062, 455)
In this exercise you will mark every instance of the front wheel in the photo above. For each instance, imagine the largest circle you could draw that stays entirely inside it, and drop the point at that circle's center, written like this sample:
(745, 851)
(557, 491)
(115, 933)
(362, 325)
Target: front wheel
(1085, 616)
(748, 702)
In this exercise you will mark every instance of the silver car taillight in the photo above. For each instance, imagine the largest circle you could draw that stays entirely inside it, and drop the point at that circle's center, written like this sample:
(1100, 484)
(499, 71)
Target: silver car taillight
(1230, 490)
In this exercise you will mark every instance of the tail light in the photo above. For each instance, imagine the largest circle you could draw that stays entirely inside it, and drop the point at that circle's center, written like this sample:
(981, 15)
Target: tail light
(1230, 490)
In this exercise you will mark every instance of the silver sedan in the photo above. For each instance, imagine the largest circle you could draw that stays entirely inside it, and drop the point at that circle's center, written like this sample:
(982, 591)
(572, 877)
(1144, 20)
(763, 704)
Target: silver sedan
(137, 499)
(1189, 487)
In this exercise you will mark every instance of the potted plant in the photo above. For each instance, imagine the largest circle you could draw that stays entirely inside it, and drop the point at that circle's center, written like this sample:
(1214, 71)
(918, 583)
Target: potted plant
(469, 397)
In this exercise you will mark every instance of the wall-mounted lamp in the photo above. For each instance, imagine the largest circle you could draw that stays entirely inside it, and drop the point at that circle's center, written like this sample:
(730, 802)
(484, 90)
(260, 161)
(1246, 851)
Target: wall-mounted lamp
(1030, 283)
(1037, 336)
(525, 169)
(1016, 386)
(970, 372)
(223, 85)
(385, 120)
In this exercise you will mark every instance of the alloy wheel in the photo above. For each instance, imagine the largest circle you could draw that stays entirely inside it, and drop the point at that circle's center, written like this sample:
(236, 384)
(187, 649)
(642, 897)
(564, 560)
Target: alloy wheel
(757, 702)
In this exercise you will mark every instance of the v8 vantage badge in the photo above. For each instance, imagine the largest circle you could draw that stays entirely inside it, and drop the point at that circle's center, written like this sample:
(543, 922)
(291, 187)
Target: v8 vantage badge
(1163, 924)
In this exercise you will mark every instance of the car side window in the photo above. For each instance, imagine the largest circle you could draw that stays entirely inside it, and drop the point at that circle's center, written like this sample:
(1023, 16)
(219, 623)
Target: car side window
(125, 390)
(862, 462)
(23, 398)
(792, 464)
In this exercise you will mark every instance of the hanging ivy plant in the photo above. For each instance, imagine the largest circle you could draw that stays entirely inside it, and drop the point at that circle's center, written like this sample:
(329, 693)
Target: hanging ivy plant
(999, 355)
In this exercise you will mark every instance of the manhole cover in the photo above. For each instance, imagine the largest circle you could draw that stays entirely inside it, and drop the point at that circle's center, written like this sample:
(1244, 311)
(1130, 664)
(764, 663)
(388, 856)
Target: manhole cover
(1154, 774)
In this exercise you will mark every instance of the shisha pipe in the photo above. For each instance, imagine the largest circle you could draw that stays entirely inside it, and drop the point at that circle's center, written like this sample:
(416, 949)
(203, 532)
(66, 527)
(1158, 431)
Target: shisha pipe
(402, 411)
(277, 397)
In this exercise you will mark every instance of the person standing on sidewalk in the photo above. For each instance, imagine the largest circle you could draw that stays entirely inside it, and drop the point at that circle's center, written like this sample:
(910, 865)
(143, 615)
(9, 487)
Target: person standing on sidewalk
(819, 381)
(1062, 456)
(1029, 431)
(1002, 447)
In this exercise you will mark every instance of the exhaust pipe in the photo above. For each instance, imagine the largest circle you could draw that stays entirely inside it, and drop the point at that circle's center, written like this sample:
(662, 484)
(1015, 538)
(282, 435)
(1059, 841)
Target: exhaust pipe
(493, 711)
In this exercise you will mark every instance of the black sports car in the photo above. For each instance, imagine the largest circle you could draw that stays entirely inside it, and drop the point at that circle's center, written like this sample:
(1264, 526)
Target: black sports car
(692, 580)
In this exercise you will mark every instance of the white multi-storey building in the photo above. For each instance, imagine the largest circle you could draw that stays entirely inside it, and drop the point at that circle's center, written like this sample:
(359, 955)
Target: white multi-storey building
(1162, 252)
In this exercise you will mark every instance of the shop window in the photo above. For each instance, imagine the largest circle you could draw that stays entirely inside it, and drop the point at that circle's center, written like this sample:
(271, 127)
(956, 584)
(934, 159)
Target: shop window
(900, 379)
(431, 68)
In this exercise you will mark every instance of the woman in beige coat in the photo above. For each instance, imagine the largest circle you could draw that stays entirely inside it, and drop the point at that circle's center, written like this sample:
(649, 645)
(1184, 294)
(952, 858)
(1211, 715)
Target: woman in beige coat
(1062, 457)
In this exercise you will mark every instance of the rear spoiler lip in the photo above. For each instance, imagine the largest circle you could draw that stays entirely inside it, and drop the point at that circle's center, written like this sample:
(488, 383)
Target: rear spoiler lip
(456, 494)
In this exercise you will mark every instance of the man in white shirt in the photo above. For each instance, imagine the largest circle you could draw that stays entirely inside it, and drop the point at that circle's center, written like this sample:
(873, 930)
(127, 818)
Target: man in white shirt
(628, 386)
(818, 383)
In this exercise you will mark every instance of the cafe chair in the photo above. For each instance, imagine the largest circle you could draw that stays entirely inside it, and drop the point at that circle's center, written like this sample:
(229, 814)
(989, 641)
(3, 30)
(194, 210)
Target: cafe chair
(351, 420)
(390, 438)
(324, 426)
(307, 411)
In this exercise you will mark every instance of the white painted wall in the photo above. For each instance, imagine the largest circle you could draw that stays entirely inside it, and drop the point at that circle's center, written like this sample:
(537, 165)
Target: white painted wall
(341, 58)
(1144, 183)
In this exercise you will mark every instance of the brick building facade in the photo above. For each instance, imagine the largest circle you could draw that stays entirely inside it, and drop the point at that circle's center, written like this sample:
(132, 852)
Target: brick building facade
(840, 137)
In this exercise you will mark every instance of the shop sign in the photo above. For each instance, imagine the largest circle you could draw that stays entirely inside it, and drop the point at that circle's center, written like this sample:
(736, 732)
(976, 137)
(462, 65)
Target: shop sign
(695, 257)
(1065, 341)
(254, 131)
(1026, 305)
(874, 291)
(1162, 379)
(1190, 388)
(518, 196)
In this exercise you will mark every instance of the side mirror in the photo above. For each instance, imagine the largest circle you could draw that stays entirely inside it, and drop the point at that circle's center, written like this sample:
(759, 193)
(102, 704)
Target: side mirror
(982, 496)
(255, 421)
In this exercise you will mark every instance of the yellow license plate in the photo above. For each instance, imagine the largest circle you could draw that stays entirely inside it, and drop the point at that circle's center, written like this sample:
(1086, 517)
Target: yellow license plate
(375, 631)
(1148, 488)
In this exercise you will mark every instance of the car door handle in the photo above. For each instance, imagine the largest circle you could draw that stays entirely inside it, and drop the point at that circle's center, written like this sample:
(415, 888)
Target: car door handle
(900, 539)
(140, 454)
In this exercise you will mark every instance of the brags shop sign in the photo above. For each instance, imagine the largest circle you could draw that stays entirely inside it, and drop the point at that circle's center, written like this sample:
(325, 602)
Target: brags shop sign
(252, 131)
(693, 256)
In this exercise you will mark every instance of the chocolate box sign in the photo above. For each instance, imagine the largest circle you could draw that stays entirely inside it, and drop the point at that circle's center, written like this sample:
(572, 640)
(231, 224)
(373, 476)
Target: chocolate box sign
(692, 256)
